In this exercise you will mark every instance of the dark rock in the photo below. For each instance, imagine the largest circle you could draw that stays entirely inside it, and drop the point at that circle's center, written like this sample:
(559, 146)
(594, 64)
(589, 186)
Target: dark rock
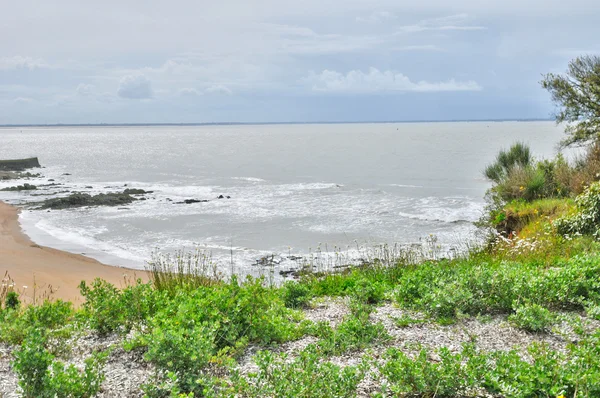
(15, 175)
(50, 180)
(220, 197)
(24, 187)
(268, 261)
(89, 187)
(134, 191)
(169, 200)
(83, 199)
(66, 174)
(228, 197)
(190, 201)
(288, 273)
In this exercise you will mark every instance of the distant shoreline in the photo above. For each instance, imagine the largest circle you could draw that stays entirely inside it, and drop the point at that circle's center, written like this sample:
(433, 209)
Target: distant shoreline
(270, 123)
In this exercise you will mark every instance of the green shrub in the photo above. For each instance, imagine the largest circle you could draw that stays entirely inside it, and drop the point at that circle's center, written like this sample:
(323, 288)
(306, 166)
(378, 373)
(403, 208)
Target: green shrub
(41, 376)
(353, 333)
(46, 317)
(519, 155)
(368, 291)
(532, 317)
(450, 377)
(12, 301)
(31, 365)
(295, 295)
(183, 351)
(586, 220)
(306, 376)
(108, 309)
(102, 307)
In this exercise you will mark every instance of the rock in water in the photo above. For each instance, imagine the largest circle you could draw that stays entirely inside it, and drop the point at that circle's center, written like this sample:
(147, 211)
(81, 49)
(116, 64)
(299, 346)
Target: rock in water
(83, 199)
(24, 187)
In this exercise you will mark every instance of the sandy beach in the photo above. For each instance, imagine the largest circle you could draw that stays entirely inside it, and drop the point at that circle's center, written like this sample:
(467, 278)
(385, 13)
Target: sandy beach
(41, 271)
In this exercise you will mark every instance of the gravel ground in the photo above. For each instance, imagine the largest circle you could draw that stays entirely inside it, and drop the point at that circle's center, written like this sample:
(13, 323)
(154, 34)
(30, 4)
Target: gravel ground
(127, 371)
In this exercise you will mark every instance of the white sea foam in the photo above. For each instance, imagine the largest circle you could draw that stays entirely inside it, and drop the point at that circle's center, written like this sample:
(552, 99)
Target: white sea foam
(249, 179)
(77, 240)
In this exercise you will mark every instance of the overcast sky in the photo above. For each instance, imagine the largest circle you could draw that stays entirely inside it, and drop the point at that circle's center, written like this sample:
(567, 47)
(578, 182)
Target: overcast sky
(124, 61)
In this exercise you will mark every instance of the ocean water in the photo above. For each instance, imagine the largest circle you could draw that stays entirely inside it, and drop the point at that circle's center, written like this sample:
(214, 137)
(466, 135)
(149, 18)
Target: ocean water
(295, 189)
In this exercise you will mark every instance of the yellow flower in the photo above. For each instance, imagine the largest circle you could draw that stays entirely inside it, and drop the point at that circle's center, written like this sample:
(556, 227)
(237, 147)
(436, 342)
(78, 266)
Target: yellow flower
(521, 188)
(560, 396)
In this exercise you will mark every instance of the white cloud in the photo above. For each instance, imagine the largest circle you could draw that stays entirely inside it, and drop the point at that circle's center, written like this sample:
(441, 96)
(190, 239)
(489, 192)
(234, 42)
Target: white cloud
(19, 62)
(373, 81)
(135, 87)
(23, 100)
(451, 22)
(84, 89)
(189, 92)
(425, 47)
(377, 16)
(218, 89)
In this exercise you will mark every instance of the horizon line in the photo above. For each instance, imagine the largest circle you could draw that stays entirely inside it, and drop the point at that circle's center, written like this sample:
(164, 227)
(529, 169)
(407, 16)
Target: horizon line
(139, 124)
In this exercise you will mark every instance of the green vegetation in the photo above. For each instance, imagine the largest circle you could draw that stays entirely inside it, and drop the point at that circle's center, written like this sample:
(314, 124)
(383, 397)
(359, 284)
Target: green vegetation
(577, 94)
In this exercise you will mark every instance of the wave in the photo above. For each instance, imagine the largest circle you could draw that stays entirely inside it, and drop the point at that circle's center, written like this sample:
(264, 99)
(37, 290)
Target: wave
(78, 240)
(250, 179)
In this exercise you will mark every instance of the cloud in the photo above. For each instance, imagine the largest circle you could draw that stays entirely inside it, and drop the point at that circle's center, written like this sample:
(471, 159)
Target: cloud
(84, 89)
(377, 16)
(19, 62)
(135, 87)
(189, 92)
(425, 47)
(375, 81)
(451, 22)
(23, 100)
(218, 89)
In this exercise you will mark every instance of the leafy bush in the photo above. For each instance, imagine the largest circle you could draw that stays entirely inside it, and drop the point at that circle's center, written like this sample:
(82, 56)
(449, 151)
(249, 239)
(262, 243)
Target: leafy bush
(184, 352)
(305, 376)
(586, 220)
(470, 373)
(50, 315)
(519, 155)
(108, 309)
(194, 328)
(368, 291)
(12, 301)
(449, 377)
(471, 287)
(41, 376)
(533, 318)
(295, 295)
(353, 333)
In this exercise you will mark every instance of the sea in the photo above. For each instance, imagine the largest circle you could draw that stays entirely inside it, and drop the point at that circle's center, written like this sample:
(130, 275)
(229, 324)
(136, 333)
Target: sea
(291, 192)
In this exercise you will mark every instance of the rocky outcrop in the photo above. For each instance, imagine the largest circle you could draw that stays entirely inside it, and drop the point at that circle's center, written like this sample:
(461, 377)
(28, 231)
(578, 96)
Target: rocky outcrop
(24, 187)
(83, 200)
(190, 201)
(19, 164)
(134, 191)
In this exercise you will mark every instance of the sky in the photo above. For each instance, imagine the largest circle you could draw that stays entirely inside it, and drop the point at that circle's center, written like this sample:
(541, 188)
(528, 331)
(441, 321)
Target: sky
(196, 61)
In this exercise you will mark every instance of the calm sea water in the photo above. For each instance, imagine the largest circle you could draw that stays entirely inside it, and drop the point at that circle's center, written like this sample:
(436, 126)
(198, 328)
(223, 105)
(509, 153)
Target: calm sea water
(292, 187)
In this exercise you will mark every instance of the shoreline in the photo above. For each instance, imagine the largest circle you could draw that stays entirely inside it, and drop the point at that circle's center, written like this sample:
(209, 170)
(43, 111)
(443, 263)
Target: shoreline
(50, 272)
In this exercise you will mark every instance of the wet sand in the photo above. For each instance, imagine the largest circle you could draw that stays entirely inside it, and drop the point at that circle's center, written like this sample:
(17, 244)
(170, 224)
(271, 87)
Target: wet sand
(40, 271)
